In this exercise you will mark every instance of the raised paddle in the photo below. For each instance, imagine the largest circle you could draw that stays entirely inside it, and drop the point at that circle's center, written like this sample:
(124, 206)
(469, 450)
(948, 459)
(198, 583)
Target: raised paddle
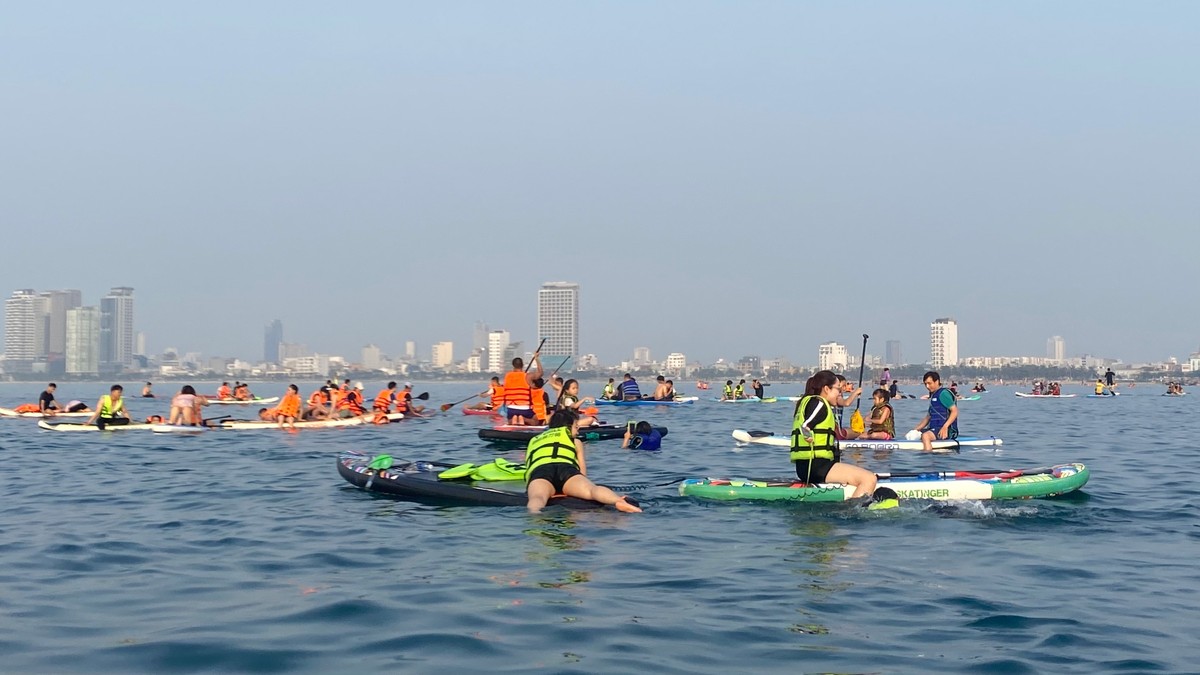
(535, 353)
(856, 420)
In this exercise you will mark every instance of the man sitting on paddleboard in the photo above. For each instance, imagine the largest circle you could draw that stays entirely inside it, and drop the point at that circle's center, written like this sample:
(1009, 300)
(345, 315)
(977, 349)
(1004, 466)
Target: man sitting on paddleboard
(660, 389)
(814, 438)
(628, 390)
(110, 409)
(46, 403)
(941, 422)
(519, 391)
(555, 464)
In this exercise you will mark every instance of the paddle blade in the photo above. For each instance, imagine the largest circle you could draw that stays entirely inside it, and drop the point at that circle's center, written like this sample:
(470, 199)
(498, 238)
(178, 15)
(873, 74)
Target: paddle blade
(424, 396)
(856, 423)
(447, 406)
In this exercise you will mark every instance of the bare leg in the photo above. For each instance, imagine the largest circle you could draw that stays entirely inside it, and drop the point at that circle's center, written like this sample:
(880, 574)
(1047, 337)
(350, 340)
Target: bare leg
(862, 480)
(579, 486)
(539, 491)
(927, 439)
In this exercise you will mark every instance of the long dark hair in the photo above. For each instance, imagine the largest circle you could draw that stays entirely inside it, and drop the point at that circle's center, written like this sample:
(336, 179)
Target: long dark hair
(563, 391)
(816, 383)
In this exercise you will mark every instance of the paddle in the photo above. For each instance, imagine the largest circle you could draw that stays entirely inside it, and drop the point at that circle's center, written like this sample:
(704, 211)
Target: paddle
(856, 420)
(447, 406)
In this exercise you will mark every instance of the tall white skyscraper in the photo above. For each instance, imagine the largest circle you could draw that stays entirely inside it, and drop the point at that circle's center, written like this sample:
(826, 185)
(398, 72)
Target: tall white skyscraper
(641, 356)
(558, 321)
(832, 356)
(82, 341)
(943, 343)
(24, 329)
(442, 354)
(116, 329)
(497, 345)
(371, 357)
(1056, 348)
(410, 350)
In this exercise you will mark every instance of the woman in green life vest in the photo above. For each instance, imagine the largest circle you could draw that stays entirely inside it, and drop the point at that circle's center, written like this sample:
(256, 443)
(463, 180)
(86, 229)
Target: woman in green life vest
(814, 438)
(110, 410)
(554, 464)
(610, 391)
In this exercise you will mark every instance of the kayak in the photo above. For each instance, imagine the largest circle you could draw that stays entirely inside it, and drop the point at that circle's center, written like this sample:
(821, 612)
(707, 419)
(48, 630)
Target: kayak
(522, 434)
(80, 426)
(229, 401)
(766, 438)
(1024, 395)
(752, 399)
(684, 400)
(419, 482)
(940, 485)
(9, 412)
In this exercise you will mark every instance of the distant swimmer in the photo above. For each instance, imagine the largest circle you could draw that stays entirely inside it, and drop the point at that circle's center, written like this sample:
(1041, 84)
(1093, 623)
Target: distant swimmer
(146, 393)
(642, 436)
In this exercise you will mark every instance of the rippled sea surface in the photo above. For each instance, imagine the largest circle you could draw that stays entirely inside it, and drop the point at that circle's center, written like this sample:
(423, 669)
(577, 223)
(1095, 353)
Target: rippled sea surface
(246, 552)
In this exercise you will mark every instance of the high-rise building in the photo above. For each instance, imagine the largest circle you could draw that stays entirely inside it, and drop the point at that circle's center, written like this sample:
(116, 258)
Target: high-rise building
(558, 321)
(272, 336)
(24, 330)
(1056, 348)
(410, 350)
(116, 329)
(641, 356)
(139, 344)
(832, 356)
(56, 304)
(676, 364)
(443, 354)
(371, 357)
(943, 343)
(496, 347)
(480, 336)
(81, 344)
(893, 357)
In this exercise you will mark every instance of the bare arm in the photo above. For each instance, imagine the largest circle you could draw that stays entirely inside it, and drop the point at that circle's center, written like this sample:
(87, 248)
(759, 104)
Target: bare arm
(579, 454)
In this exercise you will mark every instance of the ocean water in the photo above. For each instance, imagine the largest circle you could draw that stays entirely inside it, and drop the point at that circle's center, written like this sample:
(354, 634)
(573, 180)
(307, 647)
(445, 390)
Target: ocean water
(132, 552)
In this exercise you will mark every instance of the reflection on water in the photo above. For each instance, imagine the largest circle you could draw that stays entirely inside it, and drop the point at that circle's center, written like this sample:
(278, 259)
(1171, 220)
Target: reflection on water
(553, 534)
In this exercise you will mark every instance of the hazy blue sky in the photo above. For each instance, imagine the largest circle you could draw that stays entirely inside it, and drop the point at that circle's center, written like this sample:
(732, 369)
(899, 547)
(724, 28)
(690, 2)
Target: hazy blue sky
(722, 178)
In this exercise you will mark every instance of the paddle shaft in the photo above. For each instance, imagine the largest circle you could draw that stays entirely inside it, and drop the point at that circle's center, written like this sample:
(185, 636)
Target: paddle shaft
(448, 406)
(535, 354)
(862, 364)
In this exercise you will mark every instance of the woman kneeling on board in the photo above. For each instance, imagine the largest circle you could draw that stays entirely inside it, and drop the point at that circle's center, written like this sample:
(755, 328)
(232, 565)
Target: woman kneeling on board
(554, 464)
(814, 438)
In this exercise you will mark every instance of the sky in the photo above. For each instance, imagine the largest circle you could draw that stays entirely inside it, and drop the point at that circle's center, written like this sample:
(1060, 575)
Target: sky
(721, 178)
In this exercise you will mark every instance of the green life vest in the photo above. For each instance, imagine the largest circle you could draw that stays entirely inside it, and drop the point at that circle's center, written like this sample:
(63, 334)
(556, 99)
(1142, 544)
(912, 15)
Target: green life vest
(728, 391)
(824, 432)
(739, 391)
(889, 425)
(108, 408)
(553, 446)
(608, 391)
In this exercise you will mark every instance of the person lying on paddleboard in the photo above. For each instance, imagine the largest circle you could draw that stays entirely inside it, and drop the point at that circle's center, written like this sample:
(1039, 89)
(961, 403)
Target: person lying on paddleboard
(882, 423)
(641, 436)
(555, 464)
(814, 438)
(941, 422)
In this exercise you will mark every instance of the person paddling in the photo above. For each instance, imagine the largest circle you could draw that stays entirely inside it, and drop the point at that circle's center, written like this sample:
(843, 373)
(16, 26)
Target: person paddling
(814, 438)
(110, 409)
(518, 390)
(555, 464)
(941, 422)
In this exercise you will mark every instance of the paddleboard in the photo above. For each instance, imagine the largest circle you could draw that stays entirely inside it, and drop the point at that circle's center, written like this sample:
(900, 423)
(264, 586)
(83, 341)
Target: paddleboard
(176, 429)
(752, 399)
(1025, 395)
(9, 412)
(943, 486)
(1183, 394)
(1112, 395)
(683, 400)
(79, 426)
(766, 438)
(522, 434)
(259, 425)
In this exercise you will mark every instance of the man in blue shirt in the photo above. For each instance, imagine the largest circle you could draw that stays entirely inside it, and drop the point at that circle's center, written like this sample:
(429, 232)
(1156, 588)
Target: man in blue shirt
(628, 389)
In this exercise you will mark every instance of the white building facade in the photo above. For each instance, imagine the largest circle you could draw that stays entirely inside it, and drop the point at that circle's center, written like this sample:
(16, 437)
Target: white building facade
(832, 356)
(943, 343)
(442, 354)
(116, 328)
(558, 320)
(497, 345)
(82, 341)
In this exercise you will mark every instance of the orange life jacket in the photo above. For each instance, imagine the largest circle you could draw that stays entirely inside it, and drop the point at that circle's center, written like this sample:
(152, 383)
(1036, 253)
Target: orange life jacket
(380, 418)
(383, 401)
(224, 393)
(403, 398)
(517, 390)
(352, 401)
(27, 407)
(497, 396)
(336, 395)
(539, 404)
(318, 397)
(290, 405)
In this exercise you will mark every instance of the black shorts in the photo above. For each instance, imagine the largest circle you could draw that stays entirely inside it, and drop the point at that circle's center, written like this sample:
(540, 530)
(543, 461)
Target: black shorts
(558, 473)
(111, 421)
(815, 470)
(527, 413)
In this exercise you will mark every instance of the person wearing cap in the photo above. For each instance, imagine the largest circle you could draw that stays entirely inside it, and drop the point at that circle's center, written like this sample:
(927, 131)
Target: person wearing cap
(404, 402)
(351, 405)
